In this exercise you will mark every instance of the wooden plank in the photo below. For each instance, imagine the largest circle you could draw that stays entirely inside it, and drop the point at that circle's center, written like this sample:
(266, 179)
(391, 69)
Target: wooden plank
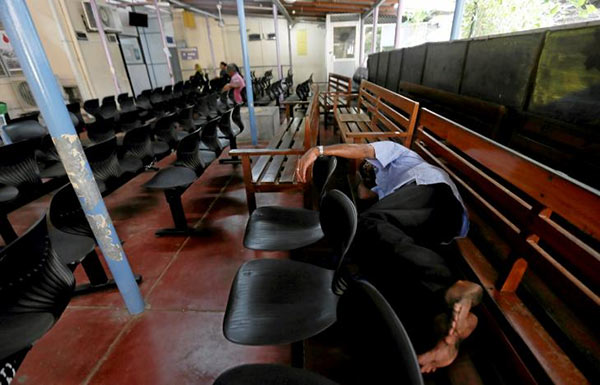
(577, 203)
(262, 161)
(286, 141)
(289, 170)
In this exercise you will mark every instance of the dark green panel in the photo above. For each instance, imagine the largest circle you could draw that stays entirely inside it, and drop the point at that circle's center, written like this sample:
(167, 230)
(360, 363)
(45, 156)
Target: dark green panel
(382, 68)
(499, 69)
(394, 67)
(567, 85)
(372, 62)
(444, 65)
(412, 64)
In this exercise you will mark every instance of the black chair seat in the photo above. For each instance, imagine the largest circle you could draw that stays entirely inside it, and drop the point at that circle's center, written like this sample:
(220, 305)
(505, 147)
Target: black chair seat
(270, 374)
(207, 156)
(282, 228)
(172, 177)
(71, 248)
(160, 147)
(278, 302)
(19, 331)
(56, 170)
(8, 193)
(131, 165)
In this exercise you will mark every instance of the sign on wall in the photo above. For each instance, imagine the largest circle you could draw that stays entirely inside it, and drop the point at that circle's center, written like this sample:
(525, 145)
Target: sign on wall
(189, 53)
(301, 42)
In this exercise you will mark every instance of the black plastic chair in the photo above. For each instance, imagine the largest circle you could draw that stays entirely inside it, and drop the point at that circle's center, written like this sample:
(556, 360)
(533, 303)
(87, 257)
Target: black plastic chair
(75, 109)
(164, 129)
(35, 288)
(25, 129)
(235, 127)
(19, 170)
(138, 144)
(75, 242)
(101, 130)
(109, 110)
(389, 359)
(176, 179)
(106, 166)
(288, 228)
(92, 106)
(274, 301)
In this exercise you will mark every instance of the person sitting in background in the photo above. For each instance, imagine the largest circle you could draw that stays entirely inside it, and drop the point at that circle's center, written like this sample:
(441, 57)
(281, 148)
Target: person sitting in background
(417, 207)
(223, 67)
(198, 69)
(236, 83)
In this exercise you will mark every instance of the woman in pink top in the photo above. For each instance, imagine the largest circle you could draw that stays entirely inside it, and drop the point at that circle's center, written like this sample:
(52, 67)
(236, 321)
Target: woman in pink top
(237, 83)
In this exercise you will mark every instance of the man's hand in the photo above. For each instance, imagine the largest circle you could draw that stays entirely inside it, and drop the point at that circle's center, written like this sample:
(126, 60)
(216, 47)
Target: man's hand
(304, 163)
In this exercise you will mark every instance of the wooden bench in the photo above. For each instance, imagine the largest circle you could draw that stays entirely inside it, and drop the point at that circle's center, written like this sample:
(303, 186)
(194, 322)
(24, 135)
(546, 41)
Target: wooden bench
(380, 114)
(336, 85)
(272, 169)
(533, 246)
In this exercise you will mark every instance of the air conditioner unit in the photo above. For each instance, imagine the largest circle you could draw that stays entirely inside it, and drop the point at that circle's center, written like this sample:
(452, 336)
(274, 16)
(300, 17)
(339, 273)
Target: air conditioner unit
(108, 16)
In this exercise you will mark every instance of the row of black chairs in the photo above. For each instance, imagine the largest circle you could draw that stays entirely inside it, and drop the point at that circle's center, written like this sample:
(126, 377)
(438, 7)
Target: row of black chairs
(36, 280)
(275, 301)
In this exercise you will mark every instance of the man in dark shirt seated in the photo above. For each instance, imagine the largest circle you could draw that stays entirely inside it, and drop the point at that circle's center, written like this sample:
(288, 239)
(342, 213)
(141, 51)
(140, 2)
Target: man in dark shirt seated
(417, 207)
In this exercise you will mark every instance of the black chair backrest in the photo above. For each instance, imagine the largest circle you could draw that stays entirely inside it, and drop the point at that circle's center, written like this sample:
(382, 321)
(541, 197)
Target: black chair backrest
(323, 169)
(188, 153)
(103, 160)
(17, 163)
(32, 280)
(92, 106)
(101, 130)
(225, 123)
(165, 129)
(137, 143)
(380, 345)
(23, 130)
(47, 151)
(338, 219)
(122, 97)
(109, 110)
(208, 135)
(236, 117)
(65, 213)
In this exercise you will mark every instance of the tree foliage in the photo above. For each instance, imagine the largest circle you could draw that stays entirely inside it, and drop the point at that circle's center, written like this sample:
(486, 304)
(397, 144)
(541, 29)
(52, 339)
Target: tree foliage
(489, 17)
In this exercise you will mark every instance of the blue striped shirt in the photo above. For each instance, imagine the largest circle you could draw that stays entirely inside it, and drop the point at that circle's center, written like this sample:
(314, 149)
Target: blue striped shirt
(396, 166)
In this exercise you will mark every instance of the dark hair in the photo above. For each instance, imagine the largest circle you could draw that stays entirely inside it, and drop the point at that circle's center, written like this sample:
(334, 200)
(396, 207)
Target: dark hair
(367, 174)
(224, 64)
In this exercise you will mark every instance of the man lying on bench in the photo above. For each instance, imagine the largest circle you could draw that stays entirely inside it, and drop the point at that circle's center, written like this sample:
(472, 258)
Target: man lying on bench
(417, 208)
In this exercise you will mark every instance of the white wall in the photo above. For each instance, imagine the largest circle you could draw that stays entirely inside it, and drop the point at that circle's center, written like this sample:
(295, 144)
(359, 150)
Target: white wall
(227, 46)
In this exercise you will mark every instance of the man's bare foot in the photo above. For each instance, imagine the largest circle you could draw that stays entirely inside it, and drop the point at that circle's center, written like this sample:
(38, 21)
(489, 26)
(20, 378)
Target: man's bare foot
(462, 296)
(446, 350)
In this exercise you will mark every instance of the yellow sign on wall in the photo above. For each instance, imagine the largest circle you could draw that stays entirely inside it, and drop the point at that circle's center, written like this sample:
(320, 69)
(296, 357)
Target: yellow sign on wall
(189, 20)
(301, 42)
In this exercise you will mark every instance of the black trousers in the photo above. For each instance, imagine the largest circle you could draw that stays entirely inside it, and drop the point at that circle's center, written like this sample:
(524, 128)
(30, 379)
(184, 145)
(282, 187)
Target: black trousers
(394, 243)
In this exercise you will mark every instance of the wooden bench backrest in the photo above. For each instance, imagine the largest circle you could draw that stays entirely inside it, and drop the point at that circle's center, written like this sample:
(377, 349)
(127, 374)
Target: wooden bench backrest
(339, 83)
(480, 115)
(388, 109)
(311, 121)
(551, 222)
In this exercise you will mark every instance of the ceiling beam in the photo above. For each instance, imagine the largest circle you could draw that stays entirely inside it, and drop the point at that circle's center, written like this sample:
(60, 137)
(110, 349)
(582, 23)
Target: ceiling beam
(377, 4)
(193, 9)
(283, 11)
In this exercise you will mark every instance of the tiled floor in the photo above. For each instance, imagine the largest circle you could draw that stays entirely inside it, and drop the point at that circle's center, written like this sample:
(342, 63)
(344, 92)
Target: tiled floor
(178, 339)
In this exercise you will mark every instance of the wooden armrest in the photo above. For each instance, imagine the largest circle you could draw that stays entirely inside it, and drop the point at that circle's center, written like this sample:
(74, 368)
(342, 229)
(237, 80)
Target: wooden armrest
(265, 151)
(396, 134)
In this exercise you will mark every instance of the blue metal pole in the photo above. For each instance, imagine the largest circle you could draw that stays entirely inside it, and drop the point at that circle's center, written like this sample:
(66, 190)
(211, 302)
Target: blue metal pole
(459, 9)
(25, 40)
(249, 94)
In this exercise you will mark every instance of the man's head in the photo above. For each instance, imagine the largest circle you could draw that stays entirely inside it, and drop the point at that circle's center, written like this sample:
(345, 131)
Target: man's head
(223, 65)
(367, 174)
(231, 69)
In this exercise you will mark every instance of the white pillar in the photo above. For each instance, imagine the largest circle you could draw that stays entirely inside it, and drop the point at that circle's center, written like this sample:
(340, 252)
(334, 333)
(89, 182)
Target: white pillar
(111, 67)
(164, 41)
(279, 71)
(399, 13)
(210, 44)
(375, 17)
(361, 46)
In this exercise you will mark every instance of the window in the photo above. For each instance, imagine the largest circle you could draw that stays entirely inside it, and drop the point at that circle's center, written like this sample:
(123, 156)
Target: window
(344, 41)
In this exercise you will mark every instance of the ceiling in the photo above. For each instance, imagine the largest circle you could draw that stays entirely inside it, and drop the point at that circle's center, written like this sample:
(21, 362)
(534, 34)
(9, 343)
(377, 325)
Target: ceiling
(299, 8)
